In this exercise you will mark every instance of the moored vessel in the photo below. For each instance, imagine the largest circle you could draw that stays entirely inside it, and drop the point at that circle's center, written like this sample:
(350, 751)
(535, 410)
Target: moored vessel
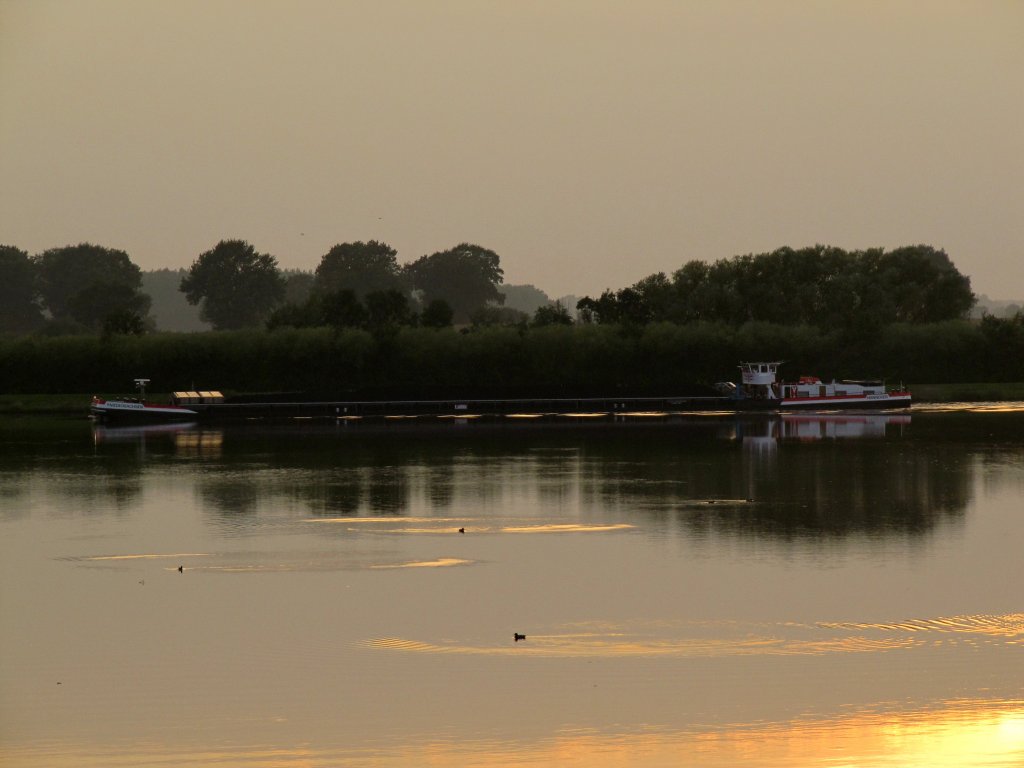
(760, 388)
(132, 409)
(137, 409)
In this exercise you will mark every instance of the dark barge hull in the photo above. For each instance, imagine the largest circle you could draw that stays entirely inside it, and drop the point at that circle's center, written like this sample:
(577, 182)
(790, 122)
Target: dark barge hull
(533, 407)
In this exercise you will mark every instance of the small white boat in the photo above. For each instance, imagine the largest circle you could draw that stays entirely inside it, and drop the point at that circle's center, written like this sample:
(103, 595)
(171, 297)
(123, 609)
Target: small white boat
(137, 409)
(130, 409)
(760, 389)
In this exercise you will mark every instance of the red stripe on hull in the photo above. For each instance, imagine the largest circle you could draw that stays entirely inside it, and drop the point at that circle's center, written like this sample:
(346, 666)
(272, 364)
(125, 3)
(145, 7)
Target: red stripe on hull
(847, 401)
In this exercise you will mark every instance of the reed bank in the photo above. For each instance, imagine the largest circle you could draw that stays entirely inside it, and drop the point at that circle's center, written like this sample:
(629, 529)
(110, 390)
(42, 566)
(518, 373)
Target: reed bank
(501, 361)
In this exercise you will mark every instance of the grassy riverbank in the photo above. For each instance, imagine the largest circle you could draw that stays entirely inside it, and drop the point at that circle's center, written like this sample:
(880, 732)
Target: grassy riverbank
(44, 404)
(508, 362)
(61, 403)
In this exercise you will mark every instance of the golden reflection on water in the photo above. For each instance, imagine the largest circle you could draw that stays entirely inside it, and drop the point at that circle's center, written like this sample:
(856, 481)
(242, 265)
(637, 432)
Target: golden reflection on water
(964, 733)
(441, 562)
(383, 520)
(145, 557)
(693, 640)
(388, 524)
(958, 733)
(565, 528)
(568, 646)
(971, 407)
(1009, 625)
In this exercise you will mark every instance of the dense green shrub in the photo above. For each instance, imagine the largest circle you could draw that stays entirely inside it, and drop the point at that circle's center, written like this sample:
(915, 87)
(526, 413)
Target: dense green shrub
(556, 360)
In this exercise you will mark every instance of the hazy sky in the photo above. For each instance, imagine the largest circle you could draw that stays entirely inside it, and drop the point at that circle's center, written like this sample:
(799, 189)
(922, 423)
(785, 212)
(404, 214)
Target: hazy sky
(589, 143)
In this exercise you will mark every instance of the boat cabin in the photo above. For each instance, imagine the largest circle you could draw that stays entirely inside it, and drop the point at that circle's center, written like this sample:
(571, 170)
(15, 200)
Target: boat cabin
(759, 380)
(812, 386)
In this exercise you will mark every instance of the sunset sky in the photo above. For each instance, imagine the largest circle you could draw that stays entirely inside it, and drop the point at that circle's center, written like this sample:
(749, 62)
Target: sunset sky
(589, 143)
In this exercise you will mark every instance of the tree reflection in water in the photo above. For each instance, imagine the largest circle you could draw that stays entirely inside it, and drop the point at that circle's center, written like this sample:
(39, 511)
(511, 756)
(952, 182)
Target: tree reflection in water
(804, 475)
(763, 477)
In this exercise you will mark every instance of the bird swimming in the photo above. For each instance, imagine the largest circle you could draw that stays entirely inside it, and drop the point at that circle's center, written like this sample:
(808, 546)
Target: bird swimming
(462, 530)
(181, 569)
(517, 637)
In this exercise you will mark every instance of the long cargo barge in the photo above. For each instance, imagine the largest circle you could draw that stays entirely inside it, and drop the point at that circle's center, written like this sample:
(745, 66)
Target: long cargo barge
(532, 407)
(758, 390)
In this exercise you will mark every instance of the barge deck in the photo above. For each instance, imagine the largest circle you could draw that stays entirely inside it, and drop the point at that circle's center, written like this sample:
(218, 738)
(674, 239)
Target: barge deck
(510, 408)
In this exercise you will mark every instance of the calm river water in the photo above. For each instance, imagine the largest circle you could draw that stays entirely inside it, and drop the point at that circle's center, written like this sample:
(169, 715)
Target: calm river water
(819, 591)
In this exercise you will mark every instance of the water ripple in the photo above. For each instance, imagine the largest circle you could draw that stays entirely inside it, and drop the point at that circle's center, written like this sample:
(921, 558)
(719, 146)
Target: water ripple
(686, 641)
(1008, 625)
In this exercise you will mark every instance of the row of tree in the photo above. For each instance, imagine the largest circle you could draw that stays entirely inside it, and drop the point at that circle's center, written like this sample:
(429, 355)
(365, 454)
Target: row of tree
(91, 288)
(80, 287)
(354, 284)
(237, 287)
(822, 286)
(465, 277)
(831, 288)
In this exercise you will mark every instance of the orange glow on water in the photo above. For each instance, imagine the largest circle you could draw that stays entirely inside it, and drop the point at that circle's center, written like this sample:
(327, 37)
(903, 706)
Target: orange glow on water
(1007, 625)
(693, 640)
(441, 562)
(383, 520)
(622, 646)
(565, 528)
(953, 734)
(147, 556)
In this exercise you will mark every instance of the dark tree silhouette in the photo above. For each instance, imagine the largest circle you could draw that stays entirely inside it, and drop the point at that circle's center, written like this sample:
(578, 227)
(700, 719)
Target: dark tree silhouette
(359, 267)
(236, 286)
(551, 314)
(123, 322)
(86, 283)
(855, 292)
(19, 293)
(100, 305)
(341, 309)
(466, 276)
(437, 314)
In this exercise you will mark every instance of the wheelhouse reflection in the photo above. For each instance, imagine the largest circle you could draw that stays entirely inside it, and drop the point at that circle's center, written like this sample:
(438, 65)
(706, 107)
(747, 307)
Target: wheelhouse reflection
(823, 426)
